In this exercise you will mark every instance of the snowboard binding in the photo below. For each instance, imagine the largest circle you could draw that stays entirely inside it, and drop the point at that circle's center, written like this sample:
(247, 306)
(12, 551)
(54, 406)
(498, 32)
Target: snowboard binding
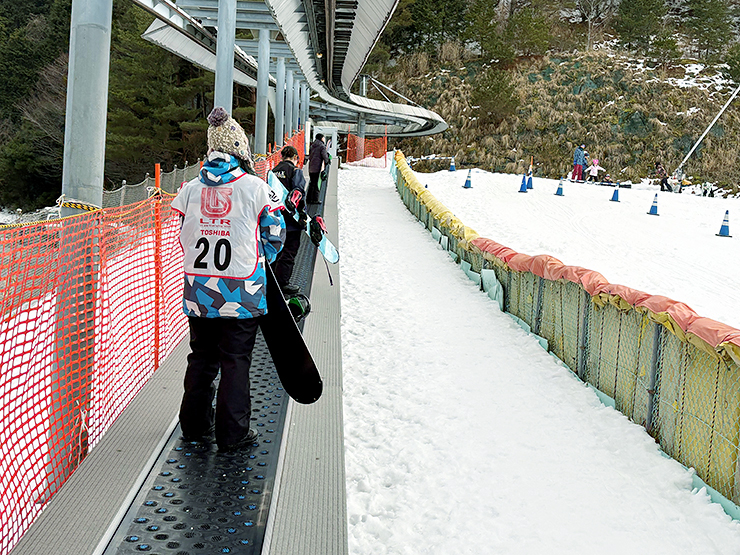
(299, 306)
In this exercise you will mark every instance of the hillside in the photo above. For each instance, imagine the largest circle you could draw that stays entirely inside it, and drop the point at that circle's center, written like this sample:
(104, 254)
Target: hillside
(628, 114)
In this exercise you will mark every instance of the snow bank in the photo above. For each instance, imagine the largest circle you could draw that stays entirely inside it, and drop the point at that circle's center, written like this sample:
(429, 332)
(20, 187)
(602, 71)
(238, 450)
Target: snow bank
(462, 434)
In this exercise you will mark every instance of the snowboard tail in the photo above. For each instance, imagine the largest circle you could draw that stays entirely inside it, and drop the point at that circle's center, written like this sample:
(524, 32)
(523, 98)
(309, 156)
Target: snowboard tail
(293, 361)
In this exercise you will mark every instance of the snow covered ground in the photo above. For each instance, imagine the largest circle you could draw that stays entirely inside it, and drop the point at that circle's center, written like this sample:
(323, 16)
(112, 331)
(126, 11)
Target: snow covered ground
(676, 254)
(462, 435)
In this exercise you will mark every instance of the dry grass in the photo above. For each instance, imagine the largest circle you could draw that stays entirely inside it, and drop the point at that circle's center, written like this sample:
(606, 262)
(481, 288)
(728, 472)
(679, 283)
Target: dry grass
(628, 119)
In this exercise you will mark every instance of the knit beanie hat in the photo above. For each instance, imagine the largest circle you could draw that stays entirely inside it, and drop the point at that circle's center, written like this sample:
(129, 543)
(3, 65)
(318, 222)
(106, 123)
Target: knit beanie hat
(226, 135)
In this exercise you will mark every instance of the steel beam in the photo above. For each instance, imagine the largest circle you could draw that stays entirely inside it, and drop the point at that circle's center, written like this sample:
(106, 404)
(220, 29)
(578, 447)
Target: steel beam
(224, 88)
(263, 76)
(296, 97)
(289, 103)
(280, 102)
(87, 102)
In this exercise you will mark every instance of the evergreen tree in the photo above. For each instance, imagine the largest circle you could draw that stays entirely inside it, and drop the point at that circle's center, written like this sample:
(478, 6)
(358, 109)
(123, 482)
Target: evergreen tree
(438, 21)
(709, 26)
(494, 97)
(638, 21)
(484, 32)
(528, 32)
(151, 95)
(664, 47)
(732, 59)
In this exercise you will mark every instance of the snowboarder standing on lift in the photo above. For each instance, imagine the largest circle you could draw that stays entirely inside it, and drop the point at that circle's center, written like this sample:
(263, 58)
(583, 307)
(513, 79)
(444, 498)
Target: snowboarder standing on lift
(230, 225)
(318, 157)
(293, 180)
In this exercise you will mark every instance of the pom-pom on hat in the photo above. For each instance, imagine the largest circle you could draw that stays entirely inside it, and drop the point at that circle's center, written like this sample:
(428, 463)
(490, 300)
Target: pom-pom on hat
(226, 135)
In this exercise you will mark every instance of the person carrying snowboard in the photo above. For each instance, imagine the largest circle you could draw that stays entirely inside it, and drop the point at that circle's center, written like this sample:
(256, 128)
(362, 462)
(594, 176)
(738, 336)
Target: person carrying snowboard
(231, 226)
(318, 157)
(293, 180)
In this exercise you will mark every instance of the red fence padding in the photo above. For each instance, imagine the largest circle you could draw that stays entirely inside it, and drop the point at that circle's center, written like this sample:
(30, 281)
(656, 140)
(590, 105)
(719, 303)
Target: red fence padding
(91, 306)
(712, 332)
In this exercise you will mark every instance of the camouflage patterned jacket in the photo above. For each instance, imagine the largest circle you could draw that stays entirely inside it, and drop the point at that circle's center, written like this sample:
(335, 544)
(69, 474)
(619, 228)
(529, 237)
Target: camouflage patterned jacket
(231, 226)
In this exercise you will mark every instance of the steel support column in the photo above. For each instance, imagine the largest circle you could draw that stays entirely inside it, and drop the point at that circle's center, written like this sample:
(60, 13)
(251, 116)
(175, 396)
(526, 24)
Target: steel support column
(301, 91)
(289, 103)
(305, 101)
(224, 88)
(263, 81)
(361, 135)
(280, 102)
(87, 102)
(83, 165)
(296, 96)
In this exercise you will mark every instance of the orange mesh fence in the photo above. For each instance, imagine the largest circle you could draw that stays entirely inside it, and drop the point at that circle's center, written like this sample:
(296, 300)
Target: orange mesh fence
(367, 152)
(91, 306)
(266, 164)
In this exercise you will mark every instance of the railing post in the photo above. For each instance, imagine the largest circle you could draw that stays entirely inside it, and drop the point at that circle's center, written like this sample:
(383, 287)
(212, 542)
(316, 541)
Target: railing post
(583, 336)
(157, 261)
(537, 320)
(654, 362)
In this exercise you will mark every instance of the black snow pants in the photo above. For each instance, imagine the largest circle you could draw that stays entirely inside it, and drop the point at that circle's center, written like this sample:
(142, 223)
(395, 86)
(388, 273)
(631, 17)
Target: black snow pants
(283, 265)
(223, 344)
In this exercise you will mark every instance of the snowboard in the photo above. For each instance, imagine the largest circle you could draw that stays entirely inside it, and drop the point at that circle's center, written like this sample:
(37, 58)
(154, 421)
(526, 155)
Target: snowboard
(293, 361)
(313, 227)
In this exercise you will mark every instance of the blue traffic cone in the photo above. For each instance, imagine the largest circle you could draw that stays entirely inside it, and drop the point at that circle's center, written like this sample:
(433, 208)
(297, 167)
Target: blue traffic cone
(452, 164)
(559, 192)
(654, 207)
(615, 195)
(523, 188)
(724, 231)
(529, 182)
(467, 182)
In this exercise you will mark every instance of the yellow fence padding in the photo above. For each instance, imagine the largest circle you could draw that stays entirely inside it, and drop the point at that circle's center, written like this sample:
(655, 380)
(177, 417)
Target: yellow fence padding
(613, 345)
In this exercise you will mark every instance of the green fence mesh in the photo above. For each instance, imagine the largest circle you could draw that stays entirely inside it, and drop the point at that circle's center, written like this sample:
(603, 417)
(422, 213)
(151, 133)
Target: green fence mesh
(687, 398)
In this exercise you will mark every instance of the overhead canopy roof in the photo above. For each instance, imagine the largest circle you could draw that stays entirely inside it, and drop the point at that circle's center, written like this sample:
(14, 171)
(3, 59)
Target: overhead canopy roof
(326, 42)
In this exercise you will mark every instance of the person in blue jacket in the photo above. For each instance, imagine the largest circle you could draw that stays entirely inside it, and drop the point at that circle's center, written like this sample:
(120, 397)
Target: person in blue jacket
(579, 160)
(231, 226)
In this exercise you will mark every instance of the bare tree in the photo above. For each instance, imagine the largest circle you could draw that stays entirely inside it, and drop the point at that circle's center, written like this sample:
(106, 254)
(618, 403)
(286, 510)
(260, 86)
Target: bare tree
(596, 13)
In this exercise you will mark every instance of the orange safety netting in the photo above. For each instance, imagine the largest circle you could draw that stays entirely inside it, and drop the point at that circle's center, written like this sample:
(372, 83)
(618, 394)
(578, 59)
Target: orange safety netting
(367, 152)
(266, 164)
(91, 305)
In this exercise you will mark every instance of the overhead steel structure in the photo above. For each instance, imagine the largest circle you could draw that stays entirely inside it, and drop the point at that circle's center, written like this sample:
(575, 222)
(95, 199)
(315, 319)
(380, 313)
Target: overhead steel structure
(314, 50)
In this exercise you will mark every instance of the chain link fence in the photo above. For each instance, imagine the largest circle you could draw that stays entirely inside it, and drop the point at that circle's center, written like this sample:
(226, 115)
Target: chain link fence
(682, 390)
(131, 194)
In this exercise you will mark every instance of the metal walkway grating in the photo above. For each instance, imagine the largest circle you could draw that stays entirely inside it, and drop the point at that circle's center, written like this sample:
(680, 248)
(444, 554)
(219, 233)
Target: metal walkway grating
(199, 501)
(203, 501)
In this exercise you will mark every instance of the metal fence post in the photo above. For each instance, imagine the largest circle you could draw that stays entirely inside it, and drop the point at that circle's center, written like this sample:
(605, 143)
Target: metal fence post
(537, 320)
(654, 362)
(583, 336)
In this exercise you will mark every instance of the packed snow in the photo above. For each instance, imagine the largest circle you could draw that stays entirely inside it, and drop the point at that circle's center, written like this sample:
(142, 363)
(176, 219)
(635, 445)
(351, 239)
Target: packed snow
(462, 434)
(676, 254)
